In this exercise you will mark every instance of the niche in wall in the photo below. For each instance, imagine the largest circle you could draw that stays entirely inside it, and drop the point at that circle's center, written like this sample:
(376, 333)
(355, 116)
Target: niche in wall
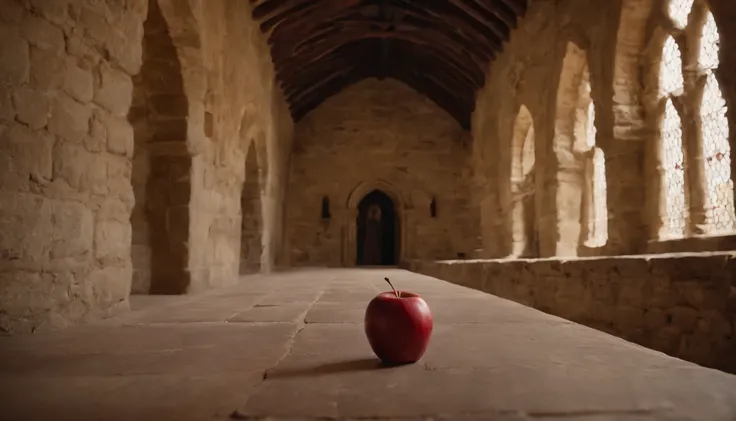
(325, 213)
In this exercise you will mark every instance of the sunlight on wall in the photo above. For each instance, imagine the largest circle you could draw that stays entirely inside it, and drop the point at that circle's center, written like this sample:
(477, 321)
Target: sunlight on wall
(674, 172)
(679, 11)
(716, 149)
(598, 220)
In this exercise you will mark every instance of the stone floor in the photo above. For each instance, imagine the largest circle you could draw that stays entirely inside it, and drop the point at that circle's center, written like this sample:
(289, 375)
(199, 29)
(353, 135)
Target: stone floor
(291, 347)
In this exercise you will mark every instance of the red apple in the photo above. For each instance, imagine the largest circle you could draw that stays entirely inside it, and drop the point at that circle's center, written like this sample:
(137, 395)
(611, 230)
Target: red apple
(398, 325)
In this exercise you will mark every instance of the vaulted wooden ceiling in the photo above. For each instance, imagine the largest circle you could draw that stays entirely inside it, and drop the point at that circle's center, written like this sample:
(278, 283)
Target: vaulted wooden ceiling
(440, 48)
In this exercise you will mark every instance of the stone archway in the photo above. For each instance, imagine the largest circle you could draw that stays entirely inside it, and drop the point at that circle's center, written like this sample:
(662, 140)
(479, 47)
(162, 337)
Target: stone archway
(377, 239)
(161, 165)
(350, 230)
(522, 183)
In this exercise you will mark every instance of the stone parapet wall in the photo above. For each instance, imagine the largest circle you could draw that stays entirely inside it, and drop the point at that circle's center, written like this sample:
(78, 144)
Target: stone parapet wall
(680, 304)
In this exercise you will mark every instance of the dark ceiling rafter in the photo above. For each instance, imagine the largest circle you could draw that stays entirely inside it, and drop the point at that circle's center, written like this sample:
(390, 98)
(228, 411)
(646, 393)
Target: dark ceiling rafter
(441, 49)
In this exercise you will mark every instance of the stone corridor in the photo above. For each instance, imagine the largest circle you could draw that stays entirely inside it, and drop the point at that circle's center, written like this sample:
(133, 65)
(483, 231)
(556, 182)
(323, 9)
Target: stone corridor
(291, 347)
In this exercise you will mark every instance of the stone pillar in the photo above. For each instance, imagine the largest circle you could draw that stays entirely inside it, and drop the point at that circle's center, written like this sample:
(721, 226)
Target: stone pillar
(696, 180)
(626, 192)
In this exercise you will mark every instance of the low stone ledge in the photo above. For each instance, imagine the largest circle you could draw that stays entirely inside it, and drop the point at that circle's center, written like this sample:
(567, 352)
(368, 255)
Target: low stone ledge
(681, 304)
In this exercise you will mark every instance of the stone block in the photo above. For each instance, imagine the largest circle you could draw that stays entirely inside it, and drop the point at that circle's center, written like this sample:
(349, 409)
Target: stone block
(115, 92)
(11, 12)
(126, 47)
(25, 221)
(32, 107)
(685, 318)
(55, 11)
(112, 240)
(97, 139)
(111, 287)
(47, 69)
(118, 179)
(70, 162)
(14, 57)
(70, 119)
(72, 226)
(25, 294)
(120, 137)
(78, 81)
(7, 110)
(27, 154)
(41, 33)
(655, 318)
(96, 180)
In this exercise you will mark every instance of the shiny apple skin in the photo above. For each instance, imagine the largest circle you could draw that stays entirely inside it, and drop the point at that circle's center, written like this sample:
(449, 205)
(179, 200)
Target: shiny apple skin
(398, 329)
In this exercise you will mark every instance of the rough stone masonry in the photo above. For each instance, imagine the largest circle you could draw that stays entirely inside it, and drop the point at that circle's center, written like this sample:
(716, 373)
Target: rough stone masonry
(164, 146)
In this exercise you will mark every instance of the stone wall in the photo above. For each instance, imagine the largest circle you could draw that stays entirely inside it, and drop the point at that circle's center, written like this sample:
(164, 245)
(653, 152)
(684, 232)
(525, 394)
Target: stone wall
(532, 73)
(219, 103)
(247, 106)
(379, 134)
(66, 89)
(682, 305)
(65, 158)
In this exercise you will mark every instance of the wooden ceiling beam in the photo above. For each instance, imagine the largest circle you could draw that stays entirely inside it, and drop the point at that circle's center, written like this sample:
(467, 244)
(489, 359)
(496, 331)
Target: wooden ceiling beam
(498, 9)
(296, 77)
(305, 19)
(420, 21)
(405, 55)
(299, 95)
(440, 49)
(399, 30)
(404, 61)
(492, 22)
(450, 14)
(324, 91)
(517, 7)
(457, 110)
(321, 49)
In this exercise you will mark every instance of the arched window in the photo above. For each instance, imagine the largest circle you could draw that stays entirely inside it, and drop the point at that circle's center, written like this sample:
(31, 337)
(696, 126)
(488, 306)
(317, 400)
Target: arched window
(693, 196)
(596, 213)
(523, 223)
(716, 149)
(582, 210)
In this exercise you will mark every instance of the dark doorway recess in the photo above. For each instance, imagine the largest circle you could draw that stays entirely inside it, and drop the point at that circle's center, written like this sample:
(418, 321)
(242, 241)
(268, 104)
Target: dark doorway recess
(377, 230)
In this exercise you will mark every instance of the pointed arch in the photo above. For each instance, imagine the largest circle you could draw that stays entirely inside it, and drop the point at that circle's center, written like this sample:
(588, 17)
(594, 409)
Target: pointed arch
(580, 190)
(523, 214)
(352, 203)
(689, 112)
(161, 175)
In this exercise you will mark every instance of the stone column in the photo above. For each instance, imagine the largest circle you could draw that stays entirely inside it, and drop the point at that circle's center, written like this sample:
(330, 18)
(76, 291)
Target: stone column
(626, 192)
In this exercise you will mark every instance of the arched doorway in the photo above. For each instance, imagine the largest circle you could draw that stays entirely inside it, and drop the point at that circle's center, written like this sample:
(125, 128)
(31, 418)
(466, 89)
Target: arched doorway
(160, 176)
(377, 230)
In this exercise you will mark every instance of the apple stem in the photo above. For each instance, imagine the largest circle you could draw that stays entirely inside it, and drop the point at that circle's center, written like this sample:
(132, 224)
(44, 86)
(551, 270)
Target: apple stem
(392, 287)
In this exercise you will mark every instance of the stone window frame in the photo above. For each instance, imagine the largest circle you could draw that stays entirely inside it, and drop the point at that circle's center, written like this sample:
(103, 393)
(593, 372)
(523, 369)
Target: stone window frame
(582, 150)
(687, 102)
(522, 183)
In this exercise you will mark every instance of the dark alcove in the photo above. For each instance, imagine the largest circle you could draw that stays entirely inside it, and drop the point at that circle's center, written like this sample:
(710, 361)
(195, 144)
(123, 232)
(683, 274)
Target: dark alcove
(325, 213)
(377, 233)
